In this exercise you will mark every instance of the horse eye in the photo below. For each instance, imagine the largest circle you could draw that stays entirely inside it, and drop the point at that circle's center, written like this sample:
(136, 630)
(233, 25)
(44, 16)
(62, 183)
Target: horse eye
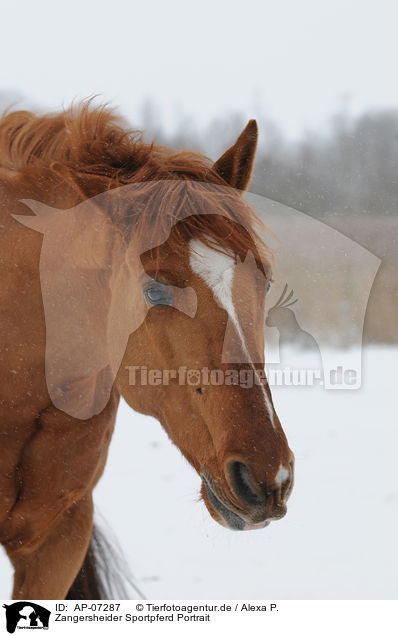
(268, 287)
(158, 294)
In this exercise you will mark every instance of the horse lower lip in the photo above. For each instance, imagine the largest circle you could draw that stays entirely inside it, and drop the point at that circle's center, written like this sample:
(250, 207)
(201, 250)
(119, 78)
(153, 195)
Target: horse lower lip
(256, 526)
(234, 521)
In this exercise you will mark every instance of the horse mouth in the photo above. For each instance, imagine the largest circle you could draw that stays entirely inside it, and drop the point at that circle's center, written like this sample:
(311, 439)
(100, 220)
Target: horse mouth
(230, 518)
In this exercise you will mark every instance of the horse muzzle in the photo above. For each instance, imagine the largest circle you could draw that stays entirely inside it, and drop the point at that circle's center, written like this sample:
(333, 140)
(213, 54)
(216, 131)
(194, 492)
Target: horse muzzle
(242, 504)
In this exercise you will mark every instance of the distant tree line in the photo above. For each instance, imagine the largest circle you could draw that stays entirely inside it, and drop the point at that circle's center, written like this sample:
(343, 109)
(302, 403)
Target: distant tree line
(353, 165)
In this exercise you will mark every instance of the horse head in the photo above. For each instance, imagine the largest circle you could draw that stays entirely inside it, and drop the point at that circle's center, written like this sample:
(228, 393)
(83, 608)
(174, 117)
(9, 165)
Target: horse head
(227, 430)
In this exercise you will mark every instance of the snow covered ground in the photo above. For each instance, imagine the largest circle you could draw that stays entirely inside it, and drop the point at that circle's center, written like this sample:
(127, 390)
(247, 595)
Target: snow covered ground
(338, 540)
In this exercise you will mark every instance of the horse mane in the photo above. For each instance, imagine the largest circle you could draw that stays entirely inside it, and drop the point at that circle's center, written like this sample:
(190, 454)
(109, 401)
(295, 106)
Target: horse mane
(92, 140)
(84, 140)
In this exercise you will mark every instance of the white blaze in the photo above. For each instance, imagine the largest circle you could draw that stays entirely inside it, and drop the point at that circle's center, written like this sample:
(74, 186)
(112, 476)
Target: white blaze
(216, 269)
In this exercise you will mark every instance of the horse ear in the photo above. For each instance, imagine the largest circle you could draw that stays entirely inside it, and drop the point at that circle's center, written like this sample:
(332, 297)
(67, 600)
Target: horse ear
(235, 166)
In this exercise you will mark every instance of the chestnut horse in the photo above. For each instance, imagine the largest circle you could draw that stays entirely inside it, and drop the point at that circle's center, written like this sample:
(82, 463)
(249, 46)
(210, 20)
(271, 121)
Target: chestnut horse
(136, 257)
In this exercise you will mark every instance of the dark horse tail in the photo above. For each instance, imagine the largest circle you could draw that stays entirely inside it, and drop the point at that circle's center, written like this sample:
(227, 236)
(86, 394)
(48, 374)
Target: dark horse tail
(103, 575)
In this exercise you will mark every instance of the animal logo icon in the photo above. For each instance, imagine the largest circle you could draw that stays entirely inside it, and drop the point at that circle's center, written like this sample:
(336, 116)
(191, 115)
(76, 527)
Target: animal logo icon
(193, 377)
(26, 615)
(293, 339)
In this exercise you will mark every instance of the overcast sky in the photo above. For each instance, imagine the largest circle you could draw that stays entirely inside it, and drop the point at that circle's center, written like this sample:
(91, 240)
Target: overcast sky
(297, 61)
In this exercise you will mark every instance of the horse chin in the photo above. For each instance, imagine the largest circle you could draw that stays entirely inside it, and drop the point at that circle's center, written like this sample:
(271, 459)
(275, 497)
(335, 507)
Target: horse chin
(223, 515)
(257, 526)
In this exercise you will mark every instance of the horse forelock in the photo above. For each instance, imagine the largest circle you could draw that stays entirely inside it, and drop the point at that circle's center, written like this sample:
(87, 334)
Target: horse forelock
(181, 210)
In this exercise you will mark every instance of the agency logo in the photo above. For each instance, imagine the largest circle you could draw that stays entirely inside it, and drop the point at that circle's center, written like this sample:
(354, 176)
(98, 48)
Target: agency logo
(95, 297)
(26, 615)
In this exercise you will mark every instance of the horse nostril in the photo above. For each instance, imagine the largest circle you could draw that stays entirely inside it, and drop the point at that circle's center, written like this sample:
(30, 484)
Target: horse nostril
(243, 485)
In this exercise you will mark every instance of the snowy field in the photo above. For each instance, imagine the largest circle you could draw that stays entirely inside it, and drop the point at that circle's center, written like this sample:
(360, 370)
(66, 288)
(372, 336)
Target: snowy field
(338, 540)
